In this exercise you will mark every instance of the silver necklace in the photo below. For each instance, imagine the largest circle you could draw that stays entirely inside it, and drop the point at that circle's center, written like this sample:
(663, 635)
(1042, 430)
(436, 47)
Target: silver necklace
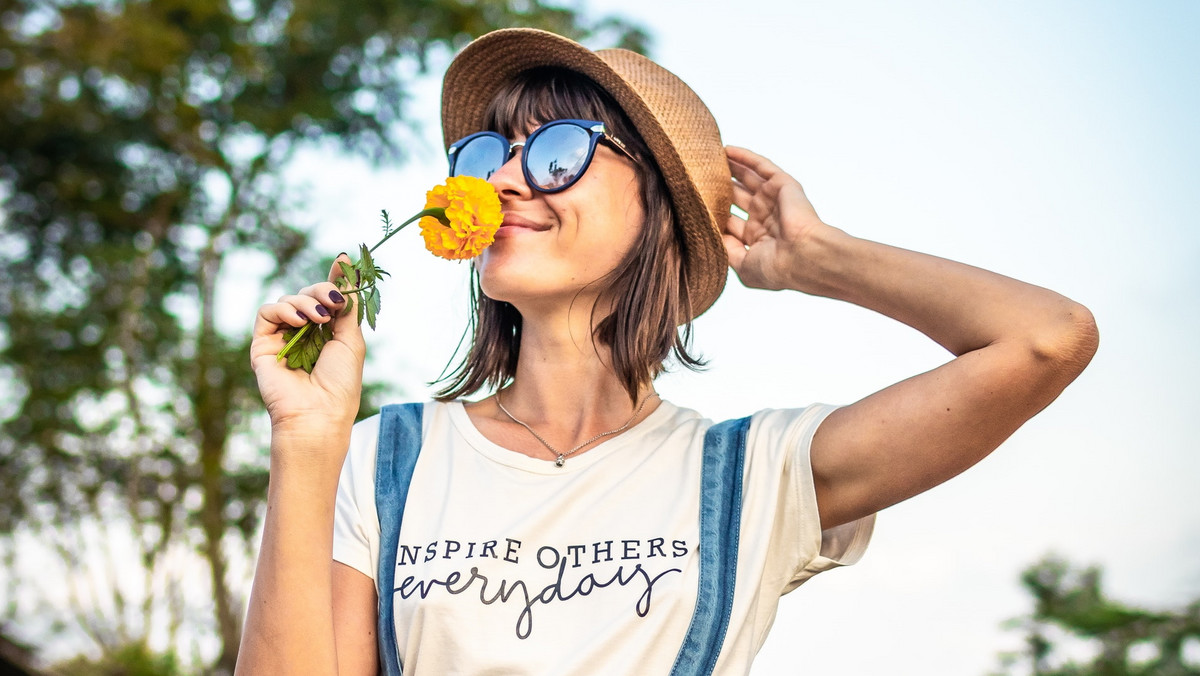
(562, 457)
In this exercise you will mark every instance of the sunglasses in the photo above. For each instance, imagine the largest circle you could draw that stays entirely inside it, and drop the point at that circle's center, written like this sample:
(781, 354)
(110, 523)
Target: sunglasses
(555, 155)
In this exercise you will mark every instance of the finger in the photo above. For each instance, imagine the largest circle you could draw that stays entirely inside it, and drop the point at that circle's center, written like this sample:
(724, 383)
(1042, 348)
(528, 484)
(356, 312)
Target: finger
(311, 306)
(325, 294)
(735, 250)
(269, 326)
(742, 197)
(335, 270)
(736, 226)
(327, 305)
(268, 344)
(346, 327)
(264, 358)
(744, 175)
(752, 161)
(274, 317)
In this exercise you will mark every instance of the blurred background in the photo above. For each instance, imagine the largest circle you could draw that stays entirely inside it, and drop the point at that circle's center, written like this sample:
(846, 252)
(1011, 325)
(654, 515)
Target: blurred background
(168, 165)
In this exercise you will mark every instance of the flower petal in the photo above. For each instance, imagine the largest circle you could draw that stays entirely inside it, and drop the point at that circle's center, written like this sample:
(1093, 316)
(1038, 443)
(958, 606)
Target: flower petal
(473, 211)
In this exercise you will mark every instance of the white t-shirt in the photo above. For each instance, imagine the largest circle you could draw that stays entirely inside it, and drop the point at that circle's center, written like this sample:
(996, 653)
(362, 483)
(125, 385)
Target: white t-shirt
(510, 565)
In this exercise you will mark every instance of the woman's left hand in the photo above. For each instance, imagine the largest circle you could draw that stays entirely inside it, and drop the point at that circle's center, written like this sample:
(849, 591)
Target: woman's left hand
(767, 248)
(1017, 345)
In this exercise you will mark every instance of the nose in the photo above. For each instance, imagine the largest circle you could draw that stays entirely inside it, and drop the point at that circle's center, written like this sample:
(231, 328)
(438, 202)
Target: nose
(509, 180)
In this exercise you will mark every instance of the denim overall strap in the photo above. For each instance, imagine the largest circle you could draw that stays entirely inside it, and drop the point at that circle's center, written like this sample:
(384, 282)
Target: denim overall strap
(395, 457)
(720, 523)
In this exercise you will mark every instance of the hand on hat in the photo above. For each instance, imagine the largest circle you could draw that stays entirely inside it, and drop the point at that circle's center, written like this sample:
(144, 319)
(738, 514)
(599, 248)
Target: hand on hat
(766, 248)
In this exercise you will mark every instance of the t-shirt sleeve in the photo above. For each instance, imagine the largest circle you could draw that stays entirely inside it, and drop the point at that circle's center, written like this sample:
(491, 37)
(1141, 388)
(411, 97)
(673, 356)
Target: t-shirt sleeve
(355, 522)
(781, 472)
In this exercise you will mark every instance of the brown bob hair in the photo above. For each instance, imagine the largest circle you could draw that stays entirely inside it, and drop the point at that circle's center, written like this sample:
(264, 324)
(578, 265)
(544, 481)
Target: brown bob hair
(651, 309)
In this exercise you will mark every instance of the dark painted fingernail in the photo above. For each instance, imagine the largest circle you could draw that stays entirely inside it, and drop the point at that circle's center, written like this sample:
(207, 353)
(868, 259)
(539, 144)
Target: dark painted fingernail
(322, 311)
(303, 316)
(336, 297)
(340, 255)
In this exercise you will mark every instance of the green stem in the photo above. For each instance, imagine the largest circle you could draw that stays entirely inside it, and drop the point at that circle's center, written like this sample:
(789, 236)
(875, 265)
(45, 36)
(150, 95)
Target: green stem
(295, 339)
(437, 212)
(358, 290)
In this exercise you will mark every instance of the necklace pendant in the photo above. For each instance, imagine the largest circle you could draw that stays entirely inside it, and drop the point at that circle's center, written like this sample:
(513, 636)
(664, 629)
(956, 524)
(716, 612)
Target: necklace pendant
(558, 462)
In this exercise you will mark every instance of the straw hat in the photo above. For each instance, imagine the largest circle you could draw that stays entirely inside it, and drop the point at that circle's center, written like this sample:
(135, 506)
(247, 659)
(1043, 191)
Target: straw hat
(676, 125)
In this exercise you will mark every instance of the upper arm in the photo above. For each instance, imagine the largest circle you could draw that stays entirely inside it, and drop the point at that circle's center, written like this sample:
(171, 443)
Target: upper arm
(354, 621)
(920, 432)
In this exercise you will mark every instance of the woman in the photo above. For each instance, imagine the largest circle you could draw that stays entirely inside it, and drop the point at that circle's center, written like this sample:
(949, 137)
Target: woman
(552, 526)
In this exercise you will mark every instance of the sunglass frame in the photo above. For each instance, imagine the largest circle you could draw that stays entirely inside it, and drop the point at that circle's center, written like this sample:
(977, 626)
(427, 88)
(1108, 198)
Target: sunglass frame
(597, 131)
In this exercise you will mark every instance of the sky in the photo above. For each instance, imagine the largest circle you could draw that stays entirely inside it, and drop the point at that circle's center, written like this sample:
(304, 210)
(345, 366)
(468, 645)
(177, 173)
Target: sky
(1055, 142)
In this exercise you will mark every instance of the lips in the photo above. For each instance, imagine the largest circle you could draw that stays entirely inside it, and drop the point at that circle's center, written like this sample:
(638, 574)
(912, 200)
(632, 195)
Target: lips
(515, 224)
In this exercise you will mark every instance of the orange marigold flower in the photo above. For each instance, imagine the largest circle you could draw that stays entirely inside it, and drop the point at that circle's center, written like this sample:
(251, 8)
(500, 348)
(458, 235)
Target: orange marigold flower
(472, 216)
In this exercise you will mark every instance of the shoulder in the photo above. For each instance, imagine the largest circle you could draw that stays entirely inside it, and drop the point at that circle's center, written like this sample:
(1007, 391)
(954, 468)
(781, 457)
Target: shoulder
(787, 427)
(767, 426)
(391, 418)
(779, 439)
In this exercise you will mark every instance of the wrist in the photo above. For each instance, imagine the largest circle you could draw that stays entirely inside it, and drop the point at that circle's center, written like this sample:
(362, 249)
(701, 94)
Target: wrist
(317, 419)
(820, 261)
(314, 434)
(311, 436)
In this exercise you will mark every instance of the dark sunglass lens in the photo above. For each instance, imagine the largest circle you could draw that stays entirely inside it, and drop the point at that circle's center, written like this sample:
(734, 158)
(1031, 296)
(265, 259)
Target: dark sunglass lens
(481, 157)
(556, 156)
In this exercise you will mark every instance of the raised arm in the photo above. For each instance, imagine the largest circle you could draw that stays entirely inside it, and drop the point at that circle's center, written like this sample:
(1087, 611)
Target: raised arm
(1017, 346)
(307, 614)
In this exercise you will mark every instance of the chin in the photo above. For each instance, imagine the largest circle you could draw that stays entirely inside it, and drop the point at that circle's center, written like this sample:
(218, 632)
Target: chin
(503, 278)
(513, 275)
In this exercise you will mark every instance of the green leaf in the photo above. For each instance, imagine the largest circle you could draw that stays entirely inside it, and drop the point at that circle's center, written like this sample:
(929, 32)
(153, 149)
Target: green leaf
(288, 336)
(307, 348)
(372, 304)
(347, 271)
(366, 263)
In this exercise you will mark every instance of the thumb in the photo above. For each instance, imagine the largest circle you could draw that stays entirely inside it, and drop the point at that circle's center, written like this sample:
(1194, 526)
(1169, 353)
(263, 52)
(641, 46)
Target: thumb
(345, 324)
(335, 270)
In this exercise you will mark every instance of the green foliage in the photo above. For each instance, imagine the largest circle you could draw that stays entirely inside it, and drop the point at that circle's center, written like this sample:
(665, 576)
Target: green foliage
(1070, 607)
(360, 279)
(141, 145)
(135, 659)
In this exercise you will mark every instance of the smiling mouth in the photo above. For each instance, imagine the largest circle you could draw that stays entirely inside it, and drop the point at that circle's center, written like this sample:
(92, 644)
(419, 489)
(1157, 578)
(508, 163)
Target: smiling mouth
(514, 224)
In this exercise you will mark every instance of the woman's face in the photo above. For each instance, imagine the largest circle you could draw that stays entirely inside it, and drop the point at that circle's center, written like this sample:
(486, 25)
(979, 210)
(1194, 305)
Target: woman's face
(553, 247)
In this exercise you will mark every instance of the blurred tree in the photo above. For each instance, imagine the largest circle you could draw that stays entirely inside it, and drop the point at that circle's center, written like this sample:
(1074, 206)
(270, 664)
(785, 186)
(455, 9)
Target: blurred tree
(15, 659)
(1071, 608)
(141, 145)
(136, 659)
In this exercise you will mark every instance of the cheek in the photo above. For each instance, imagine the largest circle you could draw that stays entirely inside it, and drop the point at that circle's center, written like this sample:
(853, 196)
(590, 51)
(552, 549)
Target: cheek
(607, 212)
(628, 217)
(635, 215)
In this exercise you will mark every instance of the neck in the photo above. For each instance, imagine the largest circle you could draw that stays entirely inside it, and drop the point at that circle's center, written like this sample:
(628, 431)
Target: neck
(567, 375)
(564, 387)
